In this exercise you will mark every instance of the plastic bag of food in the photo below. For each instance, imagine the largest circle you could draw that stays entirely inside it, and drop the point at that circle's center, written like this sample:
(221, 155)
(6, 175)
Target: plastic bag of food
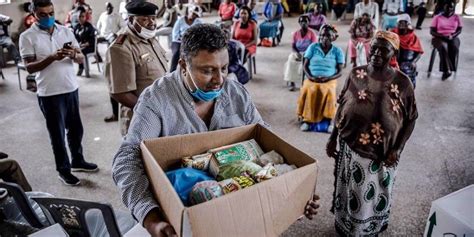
(184, 179)
(270, 157)
(284, 168)
(200, 162)
(266, 173)
(205, 191)
(238, 168)
(242, 151)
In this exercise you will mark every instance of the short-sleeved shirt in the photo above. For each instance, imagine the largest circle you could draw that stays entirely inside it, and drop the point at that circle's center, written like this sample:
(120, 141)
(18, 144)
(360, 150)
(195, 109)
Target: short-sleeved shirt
(361, 30)
(373, 113)
(302, 43)
(446, 25)
(180, 27)
(321, 64)
(227, 11)
(59, 77)
(133, 63)
(317, 20)
(109, 24)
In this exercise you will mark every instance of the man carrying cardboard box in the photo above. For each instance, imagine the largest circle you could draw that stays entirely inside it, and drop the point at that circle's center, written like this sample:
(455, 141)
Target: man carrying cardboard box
(195, 98)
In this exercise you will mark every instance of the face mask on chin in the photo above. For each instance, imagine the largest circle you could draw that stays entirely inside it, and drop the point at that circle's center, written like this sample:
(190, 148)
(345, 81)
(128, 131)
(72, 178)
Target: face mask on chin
(201, 95)
(146, 33)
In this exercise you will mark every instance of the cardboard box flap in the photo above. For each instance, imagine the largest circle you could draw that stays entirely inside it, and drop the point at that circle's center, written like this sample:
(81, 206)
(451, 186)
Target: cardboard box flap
(265, 209)
(164, 192)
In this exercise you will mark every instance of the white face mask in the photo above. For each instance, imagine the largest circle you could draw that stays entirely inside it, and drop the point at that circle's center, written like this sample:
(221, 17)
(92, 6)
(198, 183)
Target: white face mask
(146, 33)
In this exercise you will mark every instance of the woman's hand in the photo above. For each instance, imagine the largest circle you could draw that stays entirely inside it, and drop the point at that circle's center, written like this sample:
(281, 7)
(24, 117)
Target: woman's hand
(392, 159)
(312, 206)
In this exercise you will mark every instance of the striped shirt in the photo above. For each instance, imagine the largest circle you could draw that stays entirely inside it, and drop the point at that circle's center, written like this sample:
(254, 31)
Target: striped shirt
(166, 108)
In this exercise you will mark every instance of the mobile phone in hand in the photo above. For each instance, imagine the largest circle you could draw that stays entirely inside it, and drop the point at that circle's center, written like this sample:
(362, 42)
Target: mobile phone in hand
(67, 45)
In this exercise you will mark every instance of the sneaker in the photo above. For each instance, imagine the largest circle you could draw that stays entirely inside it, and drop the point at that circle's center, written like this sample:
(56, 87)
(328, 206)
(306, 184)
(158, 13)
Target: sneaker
(85, 167)
(445, 76)
(69, 179)
(304, 127)
(111, 118)
(79, 72)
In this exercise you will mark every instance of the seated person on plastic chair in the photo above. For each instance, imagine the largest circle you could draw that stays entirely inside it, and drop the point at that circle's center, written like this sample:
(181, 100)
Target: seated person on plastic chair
(85, 36)
(391, 9)
(302, 39)
(226, 12)
(362, 30)
(182, 102)
(445, 29)
(272, 27)
(410, 47)
(109, 24)
(245, 31)
(5, 40)
(317, 18)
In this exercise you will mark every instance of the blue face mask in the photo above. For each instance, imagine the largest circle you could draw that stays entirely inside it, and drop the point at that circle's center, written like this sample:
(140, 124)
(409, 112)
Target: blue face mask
(46, 22)
(203, 95)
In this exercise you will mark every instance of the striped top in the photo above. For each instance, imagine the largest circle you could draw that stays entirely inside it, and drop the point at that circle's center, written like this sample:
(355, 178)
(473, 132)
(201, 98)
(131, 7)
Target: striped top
(167, 108)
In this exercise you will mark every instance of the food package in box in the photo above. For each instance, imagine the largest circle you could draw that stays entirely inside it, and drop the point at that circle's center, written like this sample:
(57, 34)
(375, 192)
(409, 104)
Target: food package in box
(270, 157)
(205, 191)
(242, 151)
(200, 162)
(238, 168)
(235, 184)
(266, 173)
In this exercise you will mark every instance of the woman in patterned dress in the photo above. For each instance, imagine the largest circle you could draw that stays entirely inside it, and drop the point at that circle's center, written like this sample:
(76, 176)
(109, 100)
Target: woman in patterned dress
(375, 118)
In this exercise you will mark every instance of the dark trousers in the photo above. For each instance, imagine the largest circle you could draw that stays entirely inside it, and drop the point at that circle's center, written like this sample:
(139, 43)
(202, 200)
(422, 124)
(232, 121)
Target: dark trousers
(421, 12)
(175, 51)
(115, 106)
(448, 53)
(62, 113)
(339, 10)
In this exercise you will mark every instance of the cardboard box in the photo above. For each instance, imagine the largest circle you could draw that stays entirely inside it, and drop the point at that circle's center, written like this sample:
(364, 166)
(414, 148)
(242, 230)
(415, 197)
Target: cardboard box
(452, 215)
(265, 209)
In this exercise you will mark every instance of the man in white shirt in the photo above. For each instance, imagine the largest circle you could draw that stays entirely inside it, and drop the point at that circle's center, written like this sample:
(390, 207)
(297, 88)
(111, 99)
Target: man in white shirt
(391, 9)
(49, 50)
(109, 23)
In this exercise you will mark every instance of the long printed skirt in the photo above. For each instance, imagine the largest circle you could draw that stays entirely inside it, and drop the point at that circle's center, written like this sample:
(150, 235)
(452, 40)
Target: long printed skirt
(362, 195)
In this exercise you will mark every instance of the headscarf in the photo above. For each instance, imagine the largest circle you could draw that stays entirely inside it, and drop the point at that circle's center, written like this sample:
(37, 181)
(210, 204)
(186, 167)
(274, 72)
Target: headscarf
(330, 27)
(391, 37)
(404, 17)
(409, 41)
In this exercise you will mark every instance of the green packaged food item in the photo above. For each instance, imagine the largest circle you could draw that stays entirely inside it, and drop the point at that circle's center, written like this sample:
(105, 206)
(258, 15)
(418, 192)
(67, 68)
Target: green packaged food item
(266, 173)
(238, 168)
(200, 162)
(243, 151)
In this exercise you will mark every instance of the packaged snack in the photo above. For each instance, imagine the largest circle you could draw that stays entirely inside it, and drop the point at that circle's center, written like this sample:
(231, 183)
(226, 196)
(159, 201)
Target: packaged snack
(243, 151)
(266, 173)
(205, 191)
(270, 157)
(238, 168)
(229, 185)
(284, 168)
(200, 162)
(184, 179)
(244, 181)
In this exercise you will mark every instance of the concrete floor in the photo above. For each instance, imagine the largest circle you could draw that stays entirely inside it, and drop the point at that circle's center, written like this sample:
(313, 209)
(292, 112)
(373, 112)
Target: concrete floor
(437, 159)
